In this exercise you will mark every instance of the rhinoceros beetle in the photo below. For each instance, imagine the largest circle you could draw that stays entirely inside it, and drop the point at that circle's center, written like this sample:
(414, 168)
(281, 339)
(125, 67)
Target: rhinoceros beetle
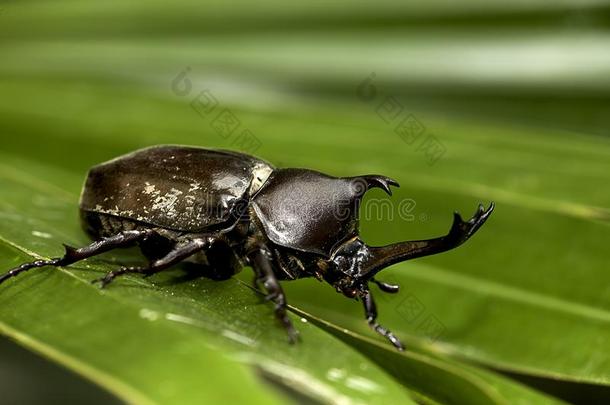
(220, 210)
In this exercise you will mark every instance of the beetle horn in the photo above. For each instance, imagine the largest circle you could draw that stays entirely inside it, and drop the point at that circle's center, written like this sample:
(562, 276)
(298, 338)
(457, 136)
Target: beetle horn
(381, 257)
(361, 184)
(384, 256)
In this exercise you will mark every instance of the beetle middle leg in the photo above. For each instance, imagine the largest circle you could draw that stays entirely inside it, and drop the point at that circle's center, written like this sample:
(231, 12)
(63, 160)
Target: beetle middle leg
(370, 310)
(262, 264)
(182, 251)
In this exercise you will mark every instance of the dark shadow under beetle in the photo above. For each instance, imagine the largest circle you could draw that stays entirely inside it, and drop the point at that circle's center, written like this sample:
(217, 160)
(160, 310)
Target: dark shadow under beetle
(223, 210)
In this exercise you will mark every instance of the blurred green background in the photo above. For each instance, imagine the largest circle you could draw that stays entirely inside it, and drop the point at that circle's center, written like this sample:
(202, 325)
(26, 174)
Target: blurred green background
(461, 102)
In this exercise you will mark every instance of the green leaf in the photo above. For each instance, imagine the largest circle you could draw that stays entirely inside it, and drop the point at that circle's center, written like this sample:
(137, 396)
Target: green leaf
(496, 83)
(186, 316)
(46, 306)
(492, 291)
(437, 378)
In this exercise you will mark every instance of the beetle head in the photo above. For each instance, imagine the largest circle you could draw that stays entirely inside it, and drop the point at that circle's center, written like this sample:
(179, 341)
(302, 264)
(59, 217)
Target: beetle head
(350, 265)
(354, 264)
(346, 267)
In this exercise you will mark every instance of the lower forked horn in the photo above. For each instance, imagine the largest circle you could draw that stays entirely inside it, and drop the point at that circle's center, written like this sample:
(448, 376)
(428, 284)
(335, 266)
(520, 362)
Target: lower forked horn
(384, 256)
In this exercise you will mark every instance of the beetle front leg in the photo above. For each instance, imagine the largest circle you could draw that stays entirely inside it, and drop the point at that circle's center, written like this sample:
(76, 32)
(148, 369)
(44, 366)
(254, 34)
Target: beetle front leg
(262, 261)
(370, 310)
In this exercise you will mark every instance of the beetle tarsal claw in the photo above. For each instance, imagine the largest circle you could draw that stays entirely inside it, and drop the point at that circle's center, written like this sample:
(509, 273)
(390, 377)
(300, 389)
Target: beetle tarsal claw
(294, 336)
(104, 281)
(111, 275)
(271, 297)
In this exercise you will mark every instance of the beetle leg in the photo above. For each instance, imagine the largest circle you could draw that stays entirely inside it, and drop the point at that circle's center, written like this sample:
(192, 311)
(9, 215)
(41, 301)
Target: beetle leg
(370, 310)
(74, 255)
(178, 254)
(262, 263)
(386, 287)
(256, 281)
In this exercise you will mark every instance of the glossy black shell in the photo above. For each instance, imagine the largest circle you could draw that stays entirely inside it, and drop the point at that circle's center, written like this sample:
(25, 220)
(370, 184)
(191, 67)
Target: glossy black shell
(175, 187)
(308, 210)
